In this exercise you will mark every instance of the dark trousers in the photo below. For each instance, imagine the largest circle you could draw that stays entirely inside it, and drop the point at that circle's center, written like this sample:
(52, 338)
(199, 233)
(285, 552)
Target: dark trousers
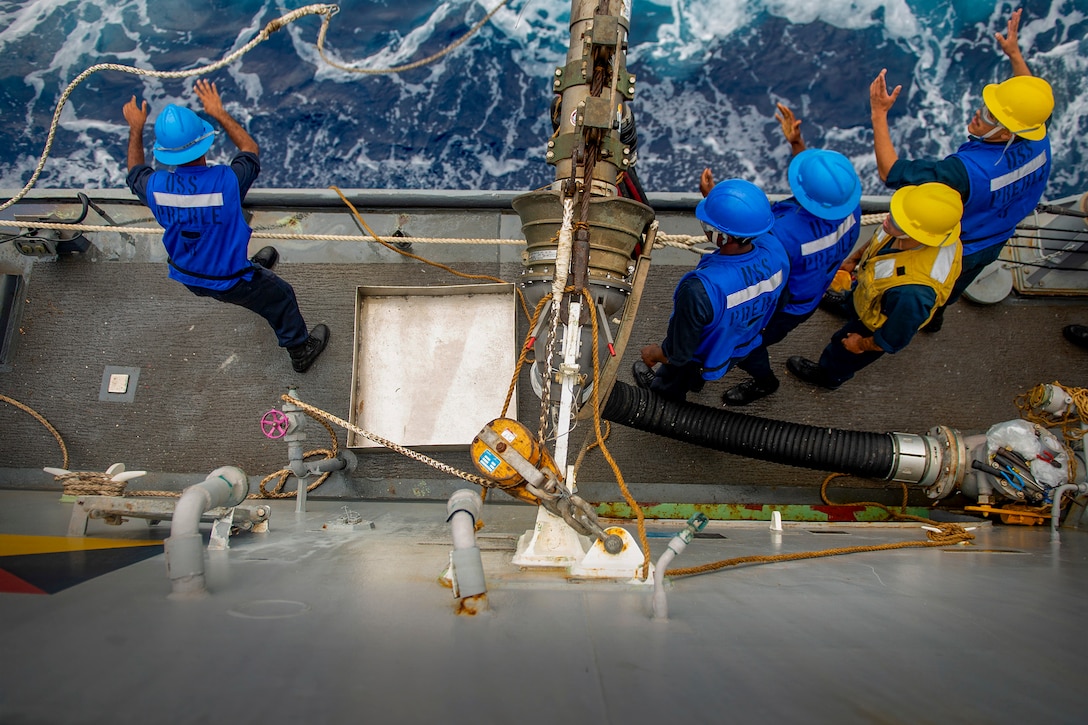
(758, 362)
(838, 363)
(271, 298)
(674, 382)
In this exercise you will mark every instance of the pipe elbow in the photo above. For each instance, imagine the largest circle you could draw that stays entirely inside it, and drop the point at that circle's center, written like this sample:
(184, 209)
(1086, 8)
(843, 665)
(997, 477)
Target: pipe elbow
(225, 486)
(464, 499)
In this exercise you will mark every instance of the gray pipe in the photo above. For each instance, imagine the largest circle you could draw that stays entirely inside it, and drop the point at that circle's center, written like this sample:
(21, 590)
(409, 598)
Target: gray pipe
(676, 546)
(1056, 508)
(462, 511)
(225, 486)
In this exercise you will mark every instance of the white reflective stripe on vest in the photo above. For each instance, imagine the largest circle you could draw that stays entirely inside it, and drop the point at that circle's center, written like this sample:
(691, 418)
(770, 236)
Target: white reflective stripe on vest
(883, 268)
(819, 245)
(752, 291)
(942, 265)
(1016, 174)
(188, 201)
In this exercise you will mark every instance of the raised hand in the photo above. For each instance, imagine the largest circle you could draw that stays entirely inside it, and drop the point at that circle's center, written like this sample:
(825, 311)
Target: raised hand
(879, 99)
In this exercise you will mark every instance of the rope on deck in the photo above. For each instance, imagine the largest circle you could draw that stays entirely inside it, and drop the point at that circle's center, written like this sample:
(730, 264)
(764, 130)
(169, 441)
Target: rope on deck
(48, 426)
(947, 534)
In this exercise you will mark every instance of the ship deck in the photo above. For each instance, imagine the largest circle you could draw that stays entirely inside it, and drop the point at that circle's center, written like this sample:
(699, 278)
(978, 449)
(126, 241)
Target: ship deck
(302, 624)
(306, 625)
(206, 372)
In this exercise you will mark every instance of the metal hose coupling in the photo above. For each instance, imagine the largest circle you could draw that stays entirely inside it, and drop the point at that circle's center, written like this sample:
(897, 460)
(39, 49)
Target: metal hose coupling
(936, 461)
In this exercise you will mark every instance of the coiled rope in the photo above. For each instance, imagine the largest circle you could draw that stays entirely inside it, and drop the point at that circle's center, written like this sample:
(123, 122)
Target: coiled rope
(1073, 423)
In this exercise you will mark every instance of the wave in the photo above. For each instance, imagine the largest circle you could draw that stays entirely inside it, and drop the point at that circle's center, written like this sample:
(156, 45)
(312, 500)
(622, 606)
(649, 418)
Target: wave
(709, 73)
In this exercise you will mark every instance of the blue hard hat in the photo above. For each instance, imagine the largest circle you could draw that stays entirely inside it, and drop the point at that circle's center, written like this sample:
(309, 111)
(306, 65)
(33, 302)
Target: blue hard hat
(825, 183)
(181, 136)
(736, 207)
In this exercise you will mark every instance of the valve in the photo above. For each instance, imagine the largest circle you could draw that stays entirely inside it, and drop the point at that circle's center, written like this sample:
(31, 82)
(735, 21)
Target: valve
(275, 424)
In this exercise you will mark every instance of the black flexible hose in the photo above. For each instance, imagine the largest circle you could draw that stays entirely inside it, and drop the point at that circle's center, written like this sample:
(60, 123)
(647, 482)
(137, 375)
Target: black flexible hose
(870, 455)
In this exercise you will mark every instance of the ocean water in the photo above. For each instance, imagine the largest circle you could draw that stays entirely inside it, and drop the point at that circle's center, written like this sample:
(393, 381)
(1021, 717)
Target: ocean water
(709, 73)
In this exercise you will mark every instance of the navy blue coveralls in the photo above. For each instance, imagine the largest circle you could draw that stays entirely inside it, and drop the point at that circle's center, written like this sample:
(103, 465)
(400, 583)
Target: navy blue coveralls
(207, 239)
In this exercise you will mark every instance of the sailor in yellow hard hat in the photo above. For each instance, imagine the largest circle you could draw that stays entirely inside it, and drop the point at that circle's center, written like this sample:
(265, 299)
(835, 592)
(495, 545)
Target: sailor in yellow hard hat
(1000, 172)
(904, 274)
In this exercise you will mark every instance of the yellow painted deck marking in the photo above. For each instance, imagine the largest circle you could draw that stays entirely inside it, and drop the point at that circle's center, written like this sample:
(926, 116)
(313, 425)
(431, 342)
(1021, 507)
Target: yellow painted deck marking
(15, 545)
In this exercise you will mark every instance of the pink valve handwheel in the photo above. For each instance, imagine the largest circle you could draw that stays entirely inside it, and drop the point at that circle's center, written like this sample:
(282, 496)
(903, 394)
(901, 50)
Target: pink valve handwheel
(274, 424)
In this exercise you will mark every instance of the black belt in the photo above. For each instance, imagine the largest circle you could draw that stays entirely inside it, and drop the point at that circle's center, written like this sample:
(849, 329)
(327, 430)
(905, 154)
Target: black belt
(198, 275)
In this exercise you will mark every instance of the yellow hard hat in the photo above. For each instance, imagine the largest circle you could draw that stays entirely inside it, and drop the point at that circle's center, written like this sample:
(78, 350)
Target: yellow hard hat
(1021, 104)
(928, 213)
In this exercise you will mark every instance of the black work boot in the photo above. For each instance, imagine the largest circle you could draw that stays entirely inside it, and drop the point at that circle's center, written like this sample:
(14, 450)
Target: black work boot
(935, 323)
(266, 257)
(643, 374)
(1076, 334)
(810, 372)
(303, 356)
(749, 391)
(837, 303)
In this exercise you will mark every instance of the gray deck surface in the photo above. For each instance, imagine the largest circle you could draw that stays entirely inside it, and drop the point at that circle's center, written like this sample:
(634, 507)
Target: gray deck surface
(307, 626)
(209, 371)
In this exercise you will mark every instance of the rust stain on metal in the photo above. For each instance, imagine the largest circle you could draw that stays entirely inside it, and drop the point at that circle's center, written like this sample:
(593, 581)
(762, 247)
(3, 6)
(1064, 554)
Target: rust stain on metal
(471, 606)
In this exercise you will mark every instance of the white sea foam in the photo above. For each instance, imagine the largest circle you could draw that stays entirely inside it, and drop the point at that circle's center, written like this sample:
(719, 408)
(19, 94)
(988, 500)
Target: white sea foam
(478, 117)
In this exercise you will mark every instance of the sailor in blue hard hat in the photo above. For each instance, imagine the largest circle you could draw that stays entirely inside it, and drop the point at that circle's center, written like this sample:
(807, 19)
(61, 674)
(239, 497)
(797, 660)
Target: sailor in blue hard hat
(204, 229)
(818, 227)
(181, 136)
(719, 307)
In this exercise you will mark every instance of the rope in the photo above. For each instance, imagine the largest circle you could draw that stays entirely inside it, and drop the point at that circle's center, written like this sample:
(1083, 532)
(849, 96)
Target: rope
(414, 455)
(48, 426)
(410, 66)
(1073, 424)
(948, 534)
(561, 269)
(90, 483)
(326, 10)
(451, 270)
(600, 438)
(525, 348)
(256, 235)
(284, 473)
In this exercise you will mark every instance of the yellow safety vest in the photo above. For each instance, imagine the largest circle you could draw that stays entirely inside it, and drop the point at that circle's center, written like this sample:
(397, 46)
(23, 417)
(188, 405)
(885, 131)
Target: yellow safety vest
(934, 267)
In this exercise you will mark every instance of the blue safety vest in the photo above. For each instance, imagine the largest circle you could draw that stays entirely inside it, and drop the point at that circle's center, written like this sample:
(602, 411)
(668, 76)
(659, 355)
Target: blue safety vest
(816, 248)
(743, 290)
(206, 235)
(1005, 183)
